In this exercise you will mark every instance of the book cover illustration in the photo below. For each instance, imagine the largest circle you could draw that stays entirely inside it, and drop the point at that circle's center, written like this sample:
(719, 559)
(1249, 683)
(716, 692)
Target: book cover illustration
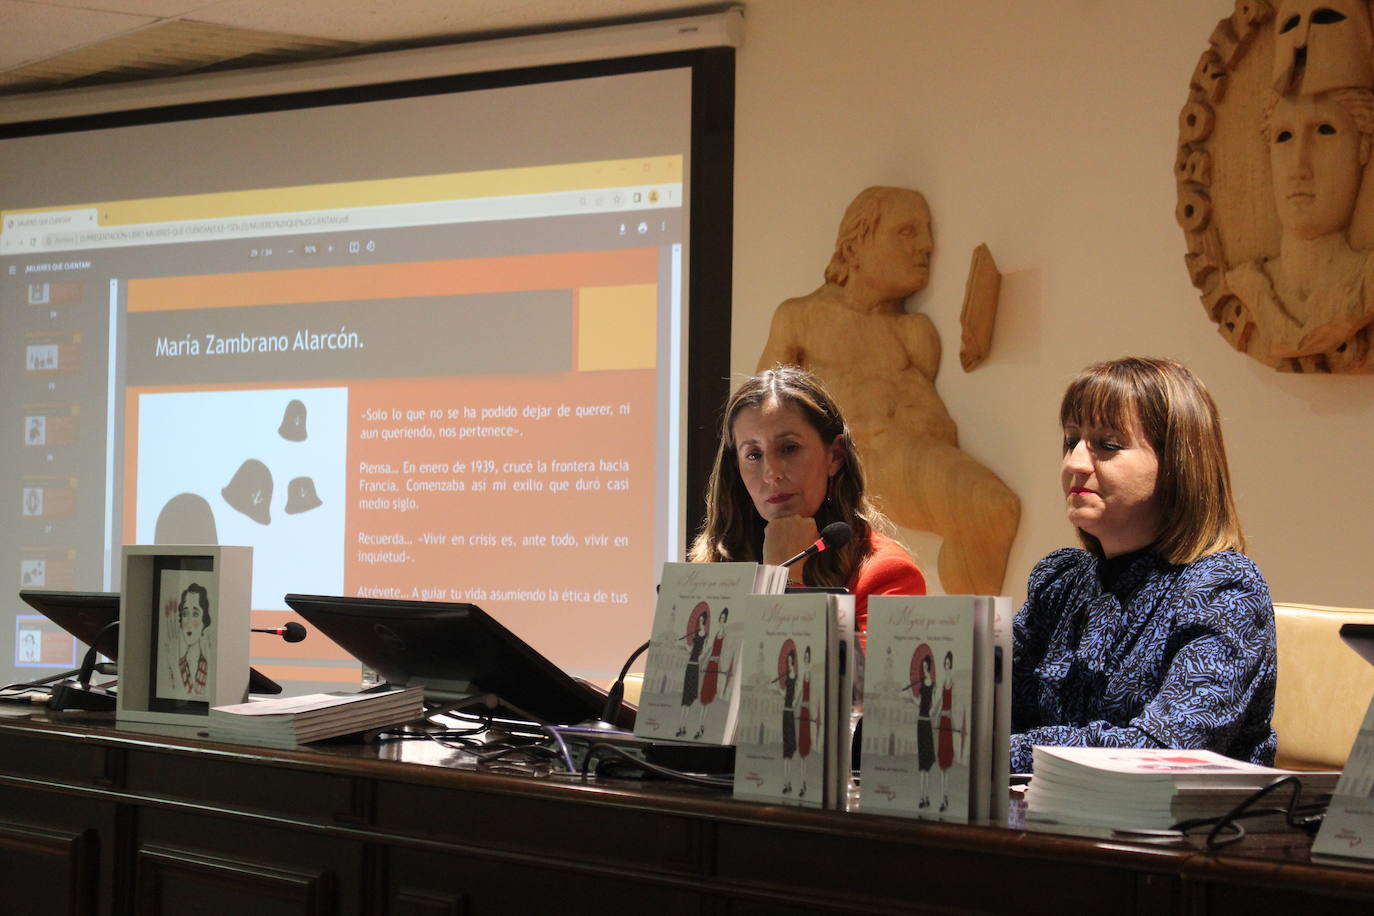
(780, 744)
(916, 746)
(690, 680)
(1138, 768)
(185, 634)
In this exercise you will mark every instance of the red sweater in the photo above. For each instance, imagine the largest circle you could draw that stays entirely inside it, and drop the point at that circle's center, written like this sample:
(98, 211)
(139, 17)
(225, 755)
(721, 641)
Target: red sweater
(889, 570)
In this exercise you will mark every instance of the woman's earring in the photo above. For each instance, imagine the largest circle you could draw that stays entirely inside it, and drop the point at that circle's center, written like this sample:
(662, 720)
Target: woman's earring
(829, 487)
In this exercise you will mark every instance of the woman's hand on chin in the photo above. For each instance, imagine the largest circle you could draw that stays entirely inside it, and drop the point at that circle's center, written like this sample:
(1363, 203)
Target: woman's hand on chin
(786, 537)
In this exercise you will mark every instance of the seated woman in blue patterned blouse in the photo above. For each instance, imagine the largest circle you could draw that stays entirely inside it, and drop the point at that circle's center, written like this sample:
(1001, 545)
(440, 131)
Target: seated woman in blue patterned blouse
(1161, 632)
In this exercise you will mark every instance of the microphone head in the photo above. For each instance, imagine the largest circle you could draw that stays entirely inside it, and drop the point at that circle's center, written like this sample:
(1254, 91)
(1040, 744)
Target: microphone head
(836, 534)
(293, 632)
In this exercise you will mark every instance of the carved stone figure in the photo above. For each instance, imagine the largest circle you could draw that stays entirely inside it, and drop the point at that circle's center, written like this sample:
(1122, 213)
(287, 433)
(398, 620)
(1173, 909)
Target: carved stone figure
(1321, 45)
(979, 313)
(880, 364)
(1315, 294)
(1274, 144)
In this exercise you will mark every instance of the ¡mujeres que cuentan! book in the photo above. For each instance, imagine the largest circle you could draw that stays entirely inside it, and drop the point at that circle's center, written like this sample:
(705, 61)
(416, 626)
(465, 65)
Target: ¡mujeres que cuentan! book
(930, 709)
(793, 733)
(691, 675)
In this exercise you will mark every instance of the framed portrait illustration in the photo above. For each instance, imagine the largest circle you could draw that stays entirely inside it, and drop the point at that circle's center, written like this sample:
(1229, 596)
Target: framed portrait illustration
(183, 634)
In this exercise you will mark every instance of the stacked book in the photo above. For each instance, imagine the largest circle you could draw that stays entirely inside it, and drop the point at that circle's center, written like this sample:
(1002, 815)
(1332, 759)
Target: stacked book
(693, 674)
(1151, 789)
(1349, 819)
(937, 708)
(792, 743)
(290, 721)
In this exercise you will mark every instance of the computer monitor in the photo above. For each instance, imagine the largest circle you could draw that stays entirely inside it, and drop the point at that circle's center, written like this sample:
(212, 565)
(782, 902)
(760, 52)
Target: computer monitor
(455, 651)
(88, 616)
(85, 615)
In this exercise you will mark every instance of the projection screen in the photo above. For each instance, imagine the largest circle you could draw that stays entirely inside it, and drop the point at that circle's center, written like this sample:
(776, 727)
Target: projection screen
(461, 338)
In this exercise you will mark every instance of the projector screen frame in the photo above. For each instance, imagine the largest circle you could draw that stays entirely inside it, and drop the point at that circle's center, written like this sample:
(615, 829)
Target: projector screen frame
(706, 360)
(520, 50)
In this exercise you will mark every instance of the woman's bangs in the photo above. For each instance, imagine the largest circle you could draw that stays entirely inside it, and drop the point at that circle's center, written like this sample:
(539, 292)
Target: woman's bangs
(1097, 400)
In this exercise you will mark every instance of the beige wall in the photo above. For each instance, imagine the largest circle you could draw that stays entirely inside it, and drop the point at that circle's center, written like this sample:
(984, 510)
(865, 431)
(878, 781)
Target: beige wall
(1046, 129)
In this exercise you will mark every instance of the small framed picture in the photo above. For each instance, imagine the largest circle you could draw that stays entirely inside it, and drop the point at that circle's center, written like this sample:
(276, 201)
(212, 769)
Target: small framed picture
(36, 430)
(183, 632)
(33, 573)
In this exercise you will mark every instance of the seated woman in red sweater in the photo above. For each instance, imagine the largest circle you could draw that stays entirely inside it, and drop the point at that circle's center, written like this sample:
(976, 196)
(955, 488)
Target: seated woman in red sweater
(786, 468)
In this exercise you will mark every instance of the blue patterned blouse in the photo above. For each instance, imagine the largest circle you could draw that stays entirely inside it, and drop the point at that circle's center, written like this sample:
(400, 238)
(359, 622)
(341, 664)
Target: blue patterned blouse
(1160, 656)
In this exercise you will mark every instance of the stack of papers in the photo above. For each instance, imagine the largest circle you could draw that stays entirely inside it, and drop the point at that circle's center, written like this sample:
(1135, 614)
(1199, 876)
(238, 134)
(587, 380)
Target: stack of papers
(1139, 789)
(290, 721)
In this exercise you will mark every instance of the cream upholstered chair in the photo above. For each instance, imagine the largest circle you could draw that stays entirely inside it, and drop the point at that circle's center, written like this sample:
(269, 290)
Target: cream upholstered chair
(1324, 686)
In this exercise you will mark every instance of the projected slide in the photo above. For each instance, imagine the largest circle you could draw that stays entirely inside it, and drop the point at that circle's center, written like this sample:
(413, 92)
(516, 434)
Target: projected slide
(508, 463)
(451, 387)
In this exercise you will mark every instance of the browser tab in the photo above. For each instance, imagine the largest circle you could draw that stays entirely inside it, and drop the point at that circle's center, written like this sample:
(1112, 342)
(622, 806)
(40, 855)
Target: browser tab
(26, 230)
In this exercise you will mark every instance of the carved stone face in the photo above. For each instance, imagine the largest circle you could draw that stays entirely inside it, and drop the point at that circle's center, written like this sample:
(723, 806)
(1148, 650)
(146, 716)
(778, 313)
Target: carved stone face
(896, 258)
(1314, 157)
(1321, 45)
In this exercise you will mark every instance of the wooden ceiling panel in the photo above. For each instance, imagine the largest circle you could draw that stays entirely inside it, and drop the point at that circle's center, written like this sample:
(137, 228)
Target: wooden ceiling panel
(49, 44)
(167, 49)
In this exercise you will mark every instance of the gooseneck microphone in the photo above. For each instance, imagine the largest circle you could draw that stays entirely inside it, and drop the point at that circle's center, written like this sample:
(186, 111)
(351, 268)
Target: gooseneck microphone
(835, 534)
(616, 695)
(291, 632)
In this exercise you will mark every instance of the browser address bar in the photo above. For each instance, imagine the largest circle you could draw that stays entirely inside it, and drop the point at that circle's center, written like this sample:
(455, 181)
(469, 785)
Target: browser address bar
(33, 237)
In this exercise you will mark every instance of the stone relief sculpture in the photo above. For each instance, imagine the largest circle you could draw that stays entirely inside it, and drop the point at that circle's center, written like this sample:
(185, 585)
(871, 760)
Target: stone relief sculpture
(1275, 143)
(880, 362)
(1315, 294)
(979, 314)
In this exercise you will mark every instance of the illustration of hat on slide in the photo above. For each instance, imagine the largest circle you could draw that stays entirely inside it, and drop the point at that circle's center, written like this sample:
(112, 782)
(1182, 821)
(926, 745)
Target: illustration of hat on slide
(186, 519)
(293, 422)
(300, 495)
(250, 491)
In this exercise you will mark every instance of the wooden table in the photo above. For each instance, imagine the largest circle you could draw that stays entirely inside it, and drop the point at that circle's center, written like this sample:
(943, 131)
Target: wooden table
(99, 820)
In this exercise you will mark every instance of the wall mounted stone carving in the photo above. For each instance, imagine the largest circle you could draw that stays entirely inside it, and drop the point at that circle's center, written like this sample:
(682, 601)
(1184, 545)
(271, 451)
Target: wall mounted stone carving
(880, 362)
(1274, 194)
(979, 314)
